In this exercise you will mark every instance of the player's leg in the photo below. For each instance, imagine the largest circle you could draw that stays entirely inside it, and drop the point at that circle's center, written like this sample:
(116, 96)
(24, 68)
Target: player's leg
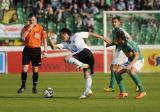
(118, 59)
(87, 57)
(79, 64)
(36, 62)
(112, 80)
(135, 77)
(25, 66)
(118, 75)
(110, 88)
(23, 78)
(88, 79)
(35, 79)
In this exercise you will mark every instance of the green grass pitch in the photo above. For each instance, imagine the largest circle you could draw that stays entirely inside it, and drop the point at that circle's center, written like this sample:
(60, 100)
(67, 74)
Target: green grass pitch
(68, 88)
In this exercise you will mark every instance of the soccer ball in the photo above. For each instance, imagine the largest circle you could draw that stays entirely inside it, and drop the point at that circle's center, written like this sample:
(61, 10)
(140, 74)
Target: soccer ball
(48, 92)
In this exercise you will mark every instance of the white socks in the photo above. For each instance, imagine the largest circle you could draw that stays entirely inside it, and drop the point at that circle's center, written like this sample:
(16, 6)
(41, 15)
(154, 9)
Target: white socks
(88, 83)
(72, 60)
(87, 75)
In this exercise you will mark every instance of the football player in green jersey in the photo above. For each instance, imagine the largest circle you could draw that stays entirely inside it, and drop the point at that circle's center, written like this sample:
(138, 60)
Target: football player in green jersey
(132, 66)
(119, 57)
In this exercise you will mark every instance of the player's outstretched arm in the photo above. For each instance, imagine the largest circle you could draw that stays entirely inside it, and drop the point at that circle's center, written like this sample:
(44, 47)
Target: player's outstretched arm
(106, 39)
(52, 44)
(108, 45)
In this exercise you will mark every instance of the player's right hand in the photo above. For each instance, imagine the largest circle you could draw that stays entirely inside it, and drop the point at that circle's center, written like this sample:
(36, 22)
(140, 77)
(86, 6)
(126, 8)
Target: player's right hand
(44, 55)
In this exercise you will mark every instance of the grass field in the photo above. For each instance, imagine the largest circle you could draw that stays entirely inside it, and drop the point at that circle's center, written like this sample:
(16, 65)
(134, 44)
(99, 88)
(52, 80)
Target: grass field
(68, 88)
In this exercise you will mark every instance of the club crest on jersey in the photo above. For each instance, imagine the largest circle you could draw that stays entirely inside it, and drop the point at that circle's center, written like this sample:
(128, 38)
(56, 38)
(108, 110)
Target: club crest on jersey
(74, 48)
(36, 35)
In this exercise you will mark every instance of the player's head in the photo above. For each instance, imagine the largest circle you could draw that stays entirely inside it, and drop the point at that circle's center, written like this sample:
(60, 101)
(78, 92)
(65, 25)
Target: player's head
(32, 19)
(65, 34)
(120, 37)
(116, 21)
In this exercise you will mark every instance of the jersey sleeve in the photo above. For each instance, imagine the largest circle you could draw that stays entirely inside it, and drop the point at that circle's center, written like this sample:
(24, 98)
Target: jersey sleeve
(82, 35)
(61, 46)
(127, 35)
(24, 28)
(43, 33)
(133, 46)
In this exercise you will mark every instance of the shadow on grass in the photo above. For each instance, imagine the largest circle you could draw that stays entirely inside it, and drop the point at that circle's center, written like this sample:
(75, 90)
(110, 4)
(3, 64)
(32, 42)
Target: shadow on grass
(10, 97)
(61, 98)
(34, 97)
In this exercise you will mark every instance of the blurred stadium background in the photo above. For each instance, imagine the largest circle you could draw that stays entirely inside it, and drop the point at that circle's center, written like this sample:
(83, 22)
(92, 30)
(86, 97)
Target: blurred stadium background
(77, 15)
(80, 15)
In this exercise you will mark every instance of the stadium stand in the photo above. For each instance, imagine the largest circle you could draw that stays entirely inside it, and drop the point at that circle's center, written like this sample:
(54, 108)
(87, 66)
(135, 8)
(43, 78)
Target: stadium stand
(61, 15)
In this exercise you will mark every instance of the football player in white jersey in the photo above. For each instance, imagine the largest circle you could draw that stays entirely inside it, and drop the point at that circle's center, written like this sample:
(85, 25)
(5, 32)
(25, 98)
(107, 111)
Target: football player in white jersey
(81, 56)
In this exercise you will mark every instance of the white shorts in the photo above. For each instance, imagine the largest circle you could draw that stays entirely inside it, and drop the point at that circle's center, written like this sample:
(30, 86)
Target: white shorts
(137, 65)
(119, 57)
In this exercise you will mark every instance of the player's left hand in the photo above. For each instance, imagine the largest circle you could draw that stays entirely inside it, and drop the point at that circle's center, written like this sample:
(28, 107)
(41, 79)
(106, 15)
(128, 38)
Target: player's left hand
(107, 40)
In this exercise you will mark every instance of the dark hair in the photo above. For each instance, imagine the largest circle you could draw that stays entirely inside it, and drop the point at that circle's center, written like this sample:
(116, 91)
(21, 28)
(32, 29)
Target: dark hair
(117, 17)
(65, 30)
(120, 34)
(32, 15)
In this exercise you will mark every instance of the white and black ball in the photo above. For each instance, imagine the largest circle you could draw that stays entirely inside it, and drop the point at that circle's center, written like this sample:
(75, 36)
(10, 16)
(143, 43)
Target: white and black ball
(48, 93)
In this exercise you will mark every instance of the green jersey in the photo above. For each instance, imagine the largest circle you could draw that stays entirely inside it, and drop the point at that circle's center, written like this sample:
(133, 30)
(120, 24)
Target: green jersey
(114, 31)
(130, 48)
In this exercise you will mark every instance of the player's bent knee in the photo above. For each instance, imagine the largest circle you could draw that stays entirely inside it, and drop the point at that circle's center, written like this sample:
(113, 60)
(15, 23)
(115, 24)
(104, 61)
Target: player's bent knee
(25, 70)
(132, 72)
(112, 66)
(66, 59)
(116, 73)
(87, 76)
(35, 69)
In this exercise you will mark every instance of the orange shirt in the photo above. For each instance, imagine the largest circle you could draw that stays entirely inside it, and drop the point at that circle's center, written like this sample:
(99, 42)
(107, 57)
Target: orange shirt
(35, 36)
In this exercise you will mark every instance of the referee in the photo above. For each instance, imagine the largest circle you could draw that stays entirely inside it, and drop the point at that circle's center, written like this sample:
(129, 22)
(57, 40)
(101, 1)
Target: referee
(33, 35)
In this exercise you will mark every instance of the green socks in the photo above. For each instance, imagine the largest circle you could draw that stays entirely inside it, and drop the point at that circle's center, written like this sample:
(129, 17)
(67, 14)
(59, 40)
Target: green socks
(112, 80)
(120, 83)
(137, 81)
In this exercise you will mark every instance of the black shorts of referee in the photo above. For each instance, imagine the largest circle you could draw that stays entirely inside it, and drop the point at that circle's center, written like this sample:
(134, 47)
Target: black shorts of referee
(86, 56)
(32, 55)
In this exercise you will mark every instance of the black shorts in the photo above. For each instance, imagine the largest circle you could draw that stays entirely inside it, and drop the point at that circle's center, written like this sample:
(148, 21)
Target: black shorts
(31, 55)
(86, 56)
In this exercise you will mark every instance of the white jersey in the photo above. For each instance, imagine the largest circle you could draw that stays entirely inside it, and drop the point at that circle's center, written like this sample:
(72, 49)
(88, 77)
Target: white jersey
(76, 42)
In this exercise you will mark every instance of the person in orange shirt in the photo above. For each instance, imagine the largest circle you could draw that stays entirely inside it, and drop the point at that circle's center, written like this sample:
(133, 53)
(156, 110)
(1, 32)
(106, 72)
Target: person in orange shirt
(33, 35)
